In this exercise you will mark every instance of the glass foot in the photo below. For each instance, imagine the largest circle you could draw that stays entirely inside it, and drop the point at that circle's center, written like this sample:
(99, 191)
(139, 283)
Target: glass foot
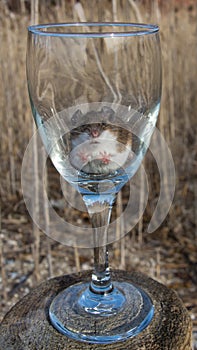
(80, 314)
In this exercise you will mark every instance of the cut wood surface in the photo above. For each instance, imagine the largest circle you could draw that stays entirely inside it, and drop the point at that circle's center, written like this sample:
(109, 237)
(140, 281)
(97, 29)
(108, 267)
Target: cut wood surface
(27, 327)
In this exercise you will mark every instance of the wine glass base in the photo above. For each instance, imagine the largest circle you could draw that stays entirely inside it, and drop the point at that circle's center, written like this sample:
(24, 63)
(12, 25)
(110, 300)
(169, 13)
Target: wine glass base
(85, 316)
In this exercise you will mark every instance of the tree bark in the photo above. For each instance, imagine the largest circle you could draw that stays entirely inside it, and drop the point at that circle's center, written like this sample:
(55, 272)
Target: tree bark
(27, 327)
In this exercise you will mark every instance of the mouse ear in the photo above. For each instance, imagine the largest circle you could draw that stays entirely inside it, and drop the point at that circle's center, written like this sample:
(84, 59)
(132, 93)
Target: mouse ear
(76, 116)
(108, 113)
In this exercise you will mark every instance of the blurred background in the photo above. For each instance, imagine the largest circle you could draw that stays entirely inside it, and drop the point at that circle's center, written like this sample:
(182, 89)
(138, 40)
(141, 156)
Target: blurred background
(169, 254)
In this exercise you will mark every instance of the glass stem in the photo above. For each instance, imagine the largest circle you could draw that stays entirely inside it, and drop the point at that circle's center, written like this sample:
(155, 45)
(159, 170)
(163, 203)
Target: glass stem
(100, 214)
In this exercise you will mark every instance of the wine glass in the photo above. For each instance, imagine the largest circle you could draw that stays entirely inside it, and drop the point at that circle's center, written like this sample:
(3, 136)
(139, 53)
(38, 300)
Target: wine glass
(95, 95)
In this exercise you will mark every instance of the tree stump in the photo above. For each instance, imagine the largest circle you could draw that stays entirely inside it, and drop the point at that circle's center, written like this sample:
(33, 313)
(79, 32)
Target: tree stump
(27, 326)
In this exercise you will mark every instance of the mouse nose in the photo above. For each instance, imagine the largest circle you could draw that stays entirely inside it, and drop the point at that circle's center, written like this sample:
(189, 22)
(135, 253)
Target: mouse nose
(95, 133)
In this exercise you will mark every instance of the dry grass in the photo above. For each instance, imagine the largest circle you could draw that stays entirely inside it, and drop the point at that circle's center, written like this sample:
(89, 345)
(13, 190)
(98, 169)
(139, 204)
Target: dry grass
(169, 254)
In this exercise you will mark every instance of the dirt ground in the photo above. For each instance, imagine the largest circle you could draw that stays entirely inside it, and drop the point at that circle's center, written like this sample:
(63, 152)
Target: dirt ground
(167, 255)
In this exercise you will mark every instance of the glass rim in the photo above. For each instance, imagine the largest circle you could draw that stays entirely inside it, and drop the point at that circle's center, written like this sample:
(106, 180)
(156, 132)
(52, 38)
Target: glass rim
(136, 29)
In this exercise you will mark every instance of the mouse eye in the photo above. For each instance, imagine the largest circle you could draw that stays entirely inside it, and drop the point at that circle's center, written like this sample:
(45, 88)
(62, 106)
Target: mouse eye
(87, 129)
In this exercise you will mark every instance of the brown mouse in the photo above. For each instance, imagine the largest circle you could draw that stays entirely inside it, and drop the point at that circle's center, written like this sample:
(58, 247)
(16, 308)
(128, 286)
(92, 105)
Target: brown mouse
(98, 143)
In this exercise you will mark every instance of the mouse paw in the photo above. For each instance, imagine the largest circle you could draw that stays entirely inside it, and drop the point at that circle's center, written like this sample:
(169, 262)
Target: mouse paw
(105, 157)
(84, 156)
